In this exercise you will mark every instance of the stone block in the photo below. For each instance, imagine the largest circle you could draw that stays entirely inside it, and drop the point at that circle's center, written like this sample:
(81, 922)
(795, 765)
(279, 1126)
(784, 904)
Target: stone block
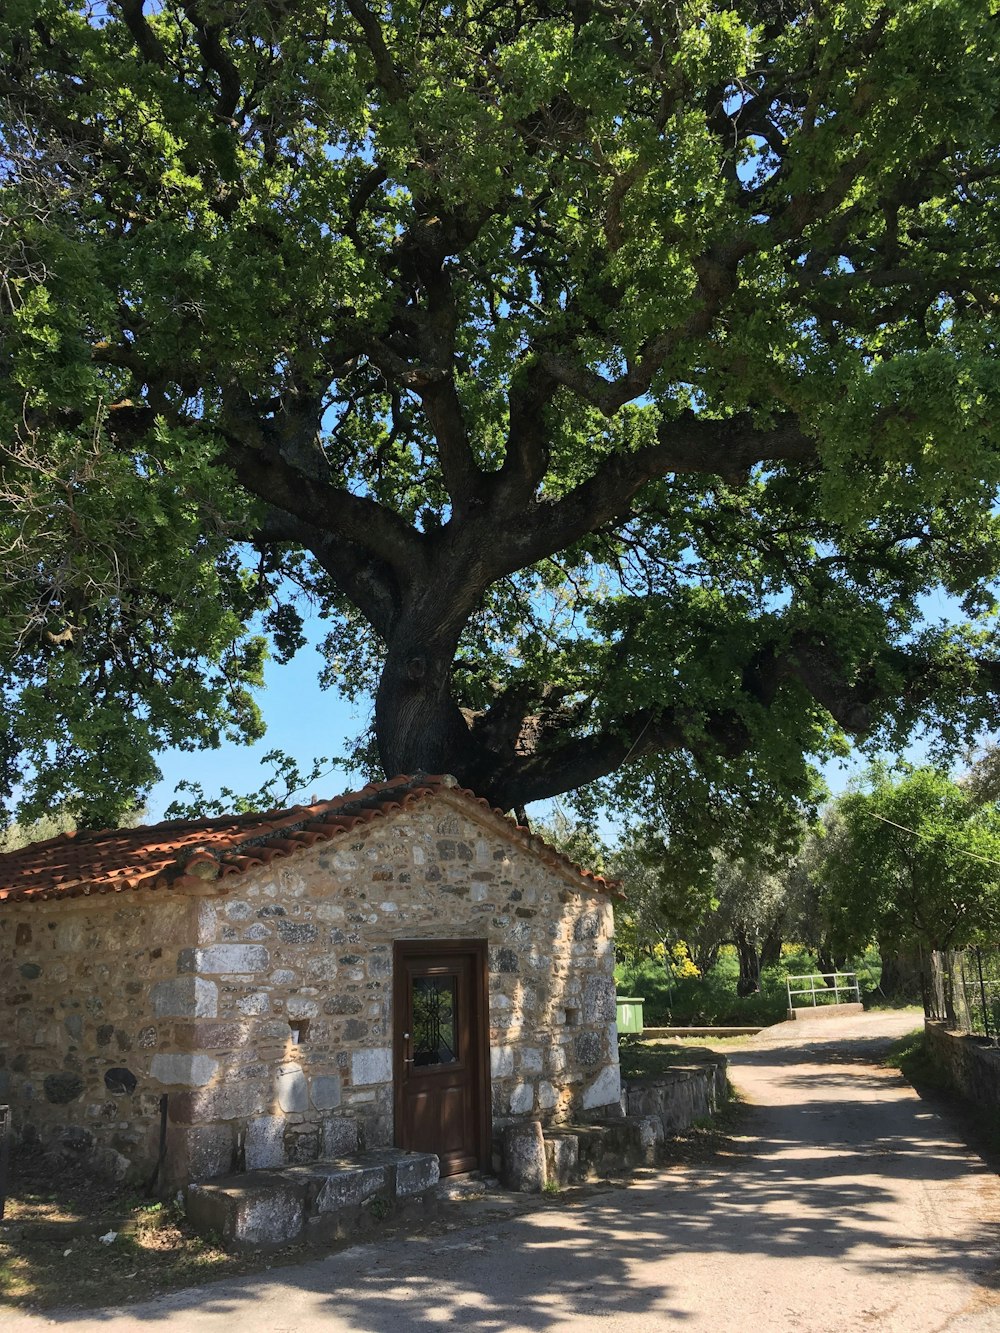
(256, 1212)
(264, 1145)
(371, 1066)
(501, 1061)
(503, 960)
(606, 1089)
(224, 1101)
(531, 1060)
(185, 997)
(198, 1152)
(562, 1157)
(587, 927)
(522, 1099)
(189, 1069)
(340, 1136)
(649, 1137)
(219, 1036)
(547, 1096)
(60, 1089)
(292, 1088)
(297, 932)
(324, 1091)
(599, 1001)
(348, 1187)
(524, 1158)
(217, 959)
(416, 1172)
(589, 1048)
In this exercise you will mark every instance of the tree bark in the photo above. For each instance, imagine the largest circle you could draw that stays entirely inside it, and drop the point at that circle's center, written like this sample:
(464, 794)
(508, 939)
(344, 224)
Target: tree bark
(770, 950)
(749, 956)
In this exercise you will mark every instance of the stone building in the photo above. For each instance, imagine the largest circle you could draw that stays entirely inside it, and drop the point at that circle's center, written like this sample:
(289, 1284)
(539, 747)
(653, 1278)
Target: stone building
(400, 966)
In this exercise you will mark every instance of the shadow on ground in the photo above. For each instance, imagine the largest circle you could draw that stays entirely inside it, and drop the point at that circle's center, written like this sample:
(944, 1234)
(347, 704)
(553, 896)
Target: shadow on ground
(818, 1184)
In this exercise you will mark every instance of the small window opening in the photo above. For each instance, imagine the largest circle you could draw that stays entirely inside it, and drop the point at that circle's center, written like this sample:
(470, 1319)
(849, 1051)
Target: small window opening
(572, 1017)
(299, 1029)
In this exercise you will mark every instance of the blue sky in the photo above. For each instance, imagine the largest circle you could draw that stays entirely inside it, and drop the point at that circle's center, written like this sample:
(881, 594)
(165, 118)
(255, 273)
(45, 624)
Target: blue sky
(307, 722)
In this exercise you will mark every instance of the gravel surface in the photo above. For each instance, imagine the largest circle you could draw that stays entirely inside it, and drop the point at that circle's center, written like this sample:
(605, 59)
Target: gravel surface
(847, 1204)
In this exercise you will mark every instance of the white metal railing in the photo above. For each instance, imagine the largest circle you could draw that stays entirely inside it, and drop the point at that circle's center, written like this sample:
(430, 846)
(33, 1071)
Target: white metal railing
(844, 984)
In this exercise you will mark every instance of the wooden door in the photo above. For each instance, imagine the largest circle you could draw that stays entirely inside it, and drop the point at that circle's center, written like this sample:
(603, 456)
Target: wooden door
(442, 1103)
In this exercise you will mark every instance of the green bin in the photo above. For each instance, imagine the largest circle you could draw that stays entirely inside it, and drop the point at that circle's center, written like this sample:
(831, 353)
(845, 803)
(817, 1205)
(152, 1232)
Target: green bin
(629, 1016)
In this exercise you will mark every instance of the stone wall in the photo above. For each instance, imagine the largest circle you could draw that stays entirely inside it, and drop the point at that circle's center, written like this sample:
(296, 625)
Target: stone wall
(972, 1063)
(262, 1007)
(91, 997)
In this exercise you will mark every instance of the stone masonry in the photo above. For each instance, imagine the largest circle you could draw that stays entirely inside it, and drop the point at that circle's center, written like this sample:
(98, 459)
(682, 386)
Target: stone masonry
(261, 1003)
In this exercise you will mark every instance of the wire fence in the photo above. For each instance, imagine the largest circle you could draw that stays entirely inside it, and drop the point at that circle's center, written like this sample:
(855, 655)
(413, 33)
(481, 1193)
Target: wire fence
(964, 990)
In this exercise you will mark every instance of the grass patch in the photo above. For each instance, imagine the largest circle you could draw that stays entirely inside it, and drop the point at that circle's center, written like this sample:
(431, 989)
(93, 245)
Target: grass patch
(912, 1057)
(646, 1059)
(60, 1260)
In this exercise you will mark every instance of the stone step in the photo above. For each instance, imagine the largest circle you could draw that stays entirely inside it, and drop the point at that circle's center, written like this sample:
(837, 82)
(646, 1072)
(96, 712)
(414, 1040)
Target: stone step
(465, 1187)
(316, 1202)
(536, 1157)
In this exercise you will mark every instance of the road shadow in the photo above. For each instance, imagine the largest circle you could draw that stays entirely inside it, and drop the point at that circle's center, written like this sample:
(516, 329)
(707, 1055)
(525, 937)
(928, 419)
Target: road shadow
(824, 1177)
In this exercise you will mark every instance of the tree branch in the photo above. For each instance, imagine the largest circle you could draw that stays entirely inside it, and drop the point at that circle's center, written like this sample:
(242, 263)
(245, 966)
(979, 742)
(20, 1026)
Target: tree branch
(689, 444)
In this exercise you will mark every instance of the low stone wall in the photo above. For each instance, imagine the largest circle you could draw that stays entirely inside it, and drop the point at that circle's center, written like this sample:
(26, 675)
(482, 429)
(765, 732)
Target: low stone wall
(680, 1095)
(972, 1063)
(534, 1156)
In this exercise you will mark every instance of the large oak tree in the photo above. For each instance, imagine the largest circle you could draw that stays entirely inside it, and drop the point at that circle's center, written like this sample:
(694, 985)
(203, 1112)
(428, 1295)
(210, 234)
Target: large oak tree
(617, 380)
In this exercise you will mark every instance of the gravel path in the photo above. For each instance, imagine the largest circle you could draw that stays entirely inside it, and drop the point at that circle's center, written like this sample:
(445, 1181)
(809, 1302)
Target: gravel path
(849, 1205)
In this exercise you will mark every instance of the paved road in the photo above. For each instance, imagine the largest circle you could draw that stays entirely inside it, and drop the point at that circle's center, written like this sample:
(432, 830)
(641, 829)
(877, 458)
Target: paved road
(852, 1207)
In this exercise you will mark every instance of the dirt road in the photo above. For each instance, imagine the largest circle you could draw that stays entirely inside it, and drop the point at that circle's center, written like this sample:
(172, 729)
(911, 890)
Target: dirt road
(849, 1206)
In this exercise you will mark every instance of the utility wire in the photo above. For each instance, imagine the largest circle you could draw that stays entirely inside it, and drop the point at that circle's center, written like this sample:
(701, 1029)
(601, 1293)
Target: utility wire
(988, 860)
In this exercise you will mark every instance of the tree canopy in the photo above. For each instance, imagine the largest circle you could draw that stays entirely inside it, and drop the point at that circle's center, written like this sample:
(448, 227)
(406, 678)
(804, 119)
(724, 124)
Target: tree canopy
(615, 380)
(913, 863)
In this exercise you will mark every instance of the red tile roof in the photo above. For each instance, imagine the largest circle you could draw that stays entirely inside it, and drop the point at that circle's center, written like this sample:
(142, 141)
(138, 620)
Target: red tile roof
(181, 854)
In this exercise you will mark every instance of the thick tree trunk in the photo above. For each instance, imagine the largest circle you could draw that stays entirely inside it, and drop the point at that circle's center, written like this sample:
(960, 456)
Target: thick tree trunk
(830, 962)
(749, 955)
(770, 950)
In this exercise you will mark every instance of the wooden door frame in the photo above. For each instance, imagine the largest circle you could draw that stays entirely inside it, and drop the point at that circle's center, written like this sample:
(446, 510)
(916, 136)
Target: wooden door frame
(478, 950)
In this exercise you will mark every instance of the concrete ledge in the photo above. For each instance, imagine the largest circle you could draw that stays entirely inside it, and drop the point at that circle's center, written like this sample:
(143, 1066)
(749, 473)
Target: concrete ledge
(811, 1011)
(318, 1202)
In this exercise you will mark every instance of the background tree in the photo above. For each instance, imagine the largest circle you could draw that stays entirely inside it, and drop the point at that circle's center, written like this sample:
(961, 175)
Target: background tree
(915, 866)
(614, 380)
(667, 894)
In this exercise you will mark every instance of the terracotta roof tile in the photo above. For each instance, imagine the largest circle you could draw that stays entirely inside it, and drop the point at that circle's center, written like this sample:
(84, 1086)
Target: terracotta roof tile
(185, 854)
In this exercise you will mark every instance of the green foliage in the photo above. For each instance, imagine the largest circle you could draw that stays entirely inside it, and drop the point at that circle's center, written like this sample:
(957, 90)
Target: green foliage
(712, 1000)
(277, 792)
(616, 383)
(913, 862)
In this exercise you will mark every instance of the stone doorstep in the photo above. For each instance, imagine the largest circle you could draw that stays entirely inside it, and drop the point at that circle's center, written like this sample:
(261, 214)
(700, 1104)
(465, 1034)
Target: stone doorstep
(318, 1202)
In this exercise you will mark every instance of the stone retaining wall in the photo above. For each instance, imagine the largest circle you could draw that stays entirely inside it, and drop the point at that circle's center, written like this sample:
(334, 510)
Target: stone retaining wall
(972, 1063)
(681, 1095)
(652, 1110)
